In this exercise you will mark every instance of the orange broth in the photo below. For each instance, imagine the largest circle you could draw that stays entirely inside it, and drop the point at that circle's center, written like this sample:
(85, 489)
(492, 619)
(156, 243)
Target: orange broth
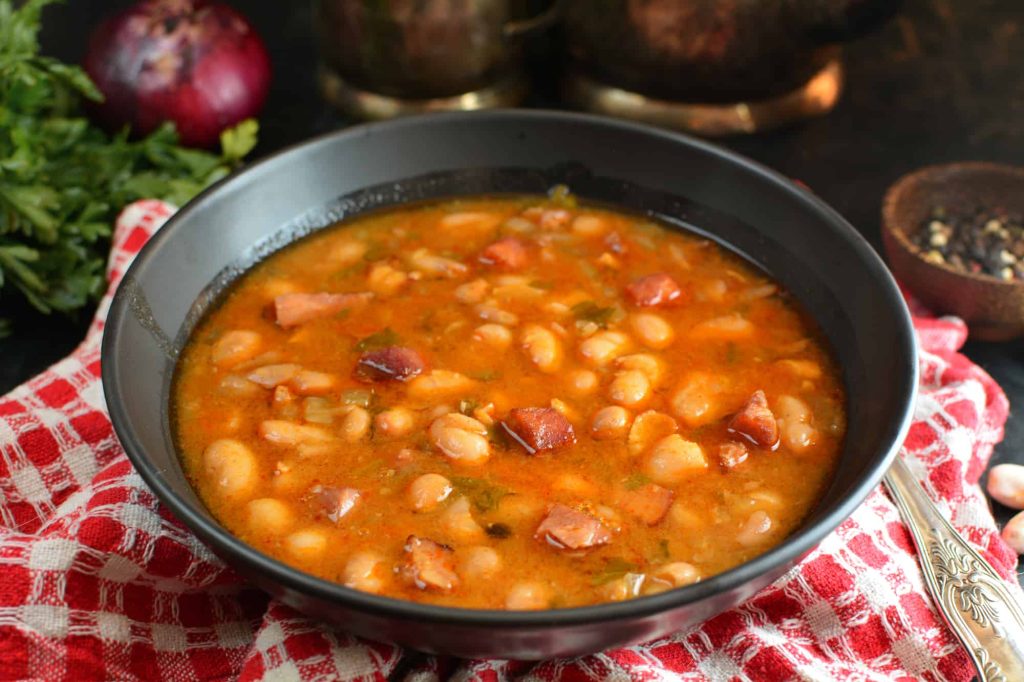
(308, 442)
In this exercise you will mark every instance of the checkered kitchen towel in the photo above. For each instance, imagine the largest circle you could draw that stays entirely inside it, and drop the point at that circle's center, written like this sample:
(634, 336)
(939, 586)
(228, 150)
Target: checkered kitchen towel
(98, 581)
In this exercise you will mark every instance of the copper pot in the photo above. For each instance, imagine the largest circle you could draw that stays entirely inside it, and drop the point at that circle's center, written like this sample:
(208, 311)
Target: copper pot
(419, 49)
(713, 50)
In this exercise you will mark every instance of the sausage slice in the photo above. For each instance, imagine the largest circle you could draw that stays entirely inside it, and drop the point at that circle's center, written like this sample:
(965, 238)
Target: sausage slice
(393, 363)
(336, 502)
(568, 528)
(291, 310)
(539, 428)
(755, 422)
(649, 503)
(654, 290)
(732, 454)
(508, 253)
(429, 565)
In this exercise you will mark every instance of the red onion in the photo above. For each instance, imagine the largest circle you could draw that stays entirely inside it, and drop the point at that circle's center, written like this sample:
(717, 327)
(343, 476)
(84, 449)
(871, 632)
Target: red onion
(194, 62)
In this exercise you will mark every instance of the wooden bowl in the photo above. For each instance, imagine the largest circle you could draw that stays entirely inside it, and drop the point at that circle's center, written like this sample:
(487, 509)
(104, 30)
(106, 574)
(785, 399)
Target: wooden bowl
(993, 308)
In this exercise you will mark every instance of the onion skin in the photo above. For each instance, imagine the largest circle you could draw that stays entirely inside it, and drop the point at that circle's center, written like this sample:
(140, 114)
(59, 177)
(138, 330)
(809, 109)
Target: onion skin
(197, 63)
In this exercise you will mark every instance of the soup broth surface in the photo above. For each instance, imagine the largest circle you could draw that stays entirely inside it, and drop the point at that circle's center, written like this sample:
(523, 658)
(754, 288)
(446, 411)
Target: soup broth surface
(510, 403)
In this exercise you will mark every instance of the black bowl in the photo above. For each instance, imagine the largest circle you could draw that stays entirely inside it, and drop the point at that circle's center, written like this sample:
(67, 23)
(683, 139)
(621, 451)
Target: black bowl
(768, 219)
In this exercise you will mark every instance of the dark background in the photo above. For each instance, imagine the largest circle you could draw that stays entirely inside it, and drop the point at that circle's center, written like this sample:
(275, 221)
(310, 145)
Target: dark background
(943, 81)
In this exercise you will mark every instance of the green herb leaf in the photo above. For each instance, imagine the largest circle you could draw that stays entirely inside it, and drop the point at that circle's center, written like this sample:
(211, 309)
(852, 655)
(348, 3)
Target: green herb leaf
(591, 312)
(357, 396)
(663, 551)
(237, 142)
(375, 251)
(382, 339)
(63, 180)
(635, 481)
(731, 353)
(484, 495)
(467, 405)
(484, 375)
(613, 569)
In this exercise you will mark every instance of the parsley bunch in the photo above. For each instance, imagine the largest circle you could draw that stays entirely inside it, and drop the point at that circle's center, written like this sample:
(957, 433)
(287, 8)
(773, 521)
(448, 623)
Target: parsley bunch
(63, 180)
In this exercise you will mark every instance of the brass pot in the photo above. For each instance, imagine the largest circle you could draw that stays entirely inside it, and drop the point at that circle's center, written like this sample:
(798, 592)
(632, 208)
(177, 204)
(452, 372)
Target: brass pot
(423, 49)
(713, 51)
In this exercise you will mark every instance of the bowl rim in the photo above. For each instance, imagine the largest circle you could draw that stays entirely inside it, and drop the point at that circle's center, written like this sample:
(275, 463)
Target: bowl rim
(897, 231)
(788, 552)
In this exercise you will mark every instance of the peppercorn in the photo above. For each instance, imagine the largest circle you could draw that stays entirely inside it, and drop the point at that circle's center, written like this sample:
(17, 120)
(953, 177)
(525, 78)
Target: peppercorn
(974, 239)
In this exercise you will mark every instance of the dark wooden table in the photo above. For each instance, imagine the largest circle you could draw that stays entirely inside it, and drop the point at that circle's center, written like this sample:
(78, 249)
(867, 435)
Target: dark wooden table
(942, 82)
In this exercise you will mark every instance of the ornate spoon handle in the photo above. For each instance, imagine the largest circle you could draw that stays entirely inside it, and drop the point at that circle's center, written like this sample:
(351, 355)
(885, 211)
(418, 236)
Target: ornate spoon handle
(971, 596)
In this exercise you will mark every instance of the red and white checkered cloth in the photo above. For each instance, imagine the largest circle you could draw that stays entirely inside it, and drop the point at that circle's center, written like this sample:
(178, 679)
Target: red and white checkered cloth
(98, 581)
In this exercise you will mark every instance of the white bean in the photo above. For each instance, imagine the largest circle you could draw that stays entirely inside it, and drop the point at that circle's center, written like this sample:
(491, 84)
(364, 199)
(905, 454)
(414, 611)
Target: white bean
(430, 263)
(643, 362)
(347, 252)
(543, 347)
(755, 530)
(601, 348)
(362, 572)
(355, 424)
(631, 388)
(678, 573)
(725, 328)
(386, 280)
(270, 376)
(582, 382)
(290, 434)
(308, 543)
(697, 400)
(428, 491)
(472, 292)
(308, 382)
(653, 330)
(395, 422)
(626, 587)
(494, 335)
(610, 423)
(528, 596)
(649, 427)
(1006, 485)
(480, 563)
(493, 313)
(461, 438)
(673, 459)
(234, 347)
(797, 436)
(438, 383)
(458, 522)
(804, 369)
(589, 225)
(269, 514)
(231, 465)
(793, 409)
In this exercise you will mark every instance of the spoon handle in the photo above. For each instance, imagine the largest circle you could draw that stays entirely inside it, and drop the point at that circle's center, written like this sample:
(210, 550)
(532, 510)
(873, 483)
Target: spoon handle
(986, 617)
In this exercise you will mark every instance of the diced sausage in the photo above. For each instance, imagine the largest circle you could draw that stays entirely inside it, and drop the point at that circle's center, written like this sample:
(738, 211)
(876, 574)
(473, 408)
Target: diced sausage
(568, 528)
(649, 503)
(394, 363)
(732, 454)
(335, 502)
(429, 565)
(291, 310)
(755, 422)
(539, 428)
(658, 289)
(508, 253)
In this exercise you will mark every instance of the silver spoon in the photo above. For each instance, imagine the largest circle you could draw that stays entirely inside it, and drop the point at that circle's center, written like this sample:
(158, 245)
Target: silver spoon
(970, 595)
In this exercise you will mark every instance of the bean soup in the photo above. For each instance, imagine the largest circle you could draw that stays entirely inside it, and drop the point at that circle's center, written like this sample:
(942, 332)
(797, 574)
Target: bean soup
(509, 403)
